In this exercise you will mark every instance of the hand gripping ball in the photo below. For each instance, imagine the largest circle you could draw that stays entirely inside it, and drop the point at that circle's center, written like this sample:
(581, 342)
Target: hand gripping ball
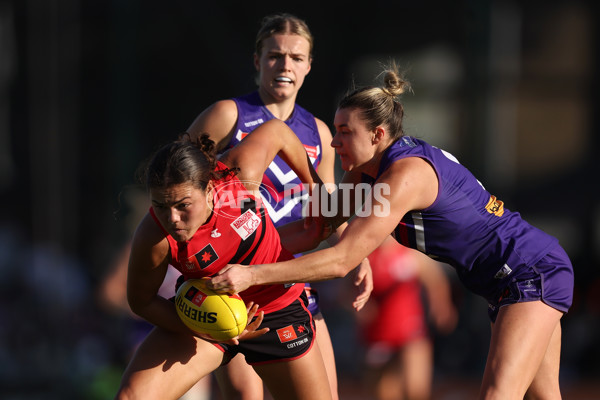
(221, 316)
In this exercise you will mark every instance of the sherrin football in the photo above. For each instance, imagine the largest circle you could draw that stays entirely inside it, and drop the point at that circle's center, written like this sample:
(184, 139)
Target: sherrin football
(220, 316)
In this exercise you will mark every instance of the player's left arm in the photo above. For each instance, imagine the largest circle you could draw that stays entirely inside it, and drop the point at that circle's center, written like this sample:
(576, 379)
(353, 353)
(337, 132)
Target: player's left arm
(303, 235)
(254, 154)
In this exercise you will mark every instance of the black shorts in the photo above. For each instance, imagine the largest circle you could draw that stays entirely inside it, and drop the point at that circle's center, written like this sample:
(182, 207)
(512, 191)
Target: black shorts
(291, 335)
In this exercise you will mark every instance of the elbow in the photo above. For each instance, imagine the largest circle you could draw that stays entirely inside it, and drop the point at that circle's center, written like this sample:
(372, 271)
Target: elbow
(135, 305)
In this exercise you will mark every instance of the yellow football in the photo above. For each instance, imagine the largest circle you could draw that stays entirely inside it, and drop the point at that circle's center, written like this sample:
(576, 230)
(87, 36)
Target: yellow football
(220, 316)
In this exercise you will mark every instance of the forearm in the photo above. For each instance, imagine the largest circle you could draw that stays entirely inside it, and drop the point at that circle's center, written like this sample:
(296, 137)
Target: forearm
(160, 312)
(322, 265)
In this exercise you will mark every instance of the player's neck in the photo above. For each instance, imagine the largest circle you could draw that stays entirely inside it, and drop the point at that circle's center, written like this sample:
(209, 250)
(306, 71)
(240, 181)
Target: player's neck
(280, 108)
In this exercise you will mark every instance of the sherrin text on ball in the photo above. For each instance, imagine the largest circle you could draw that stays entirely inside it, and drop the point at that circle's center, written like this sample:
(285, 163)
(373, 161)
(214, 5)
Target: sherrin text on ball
(220, 316)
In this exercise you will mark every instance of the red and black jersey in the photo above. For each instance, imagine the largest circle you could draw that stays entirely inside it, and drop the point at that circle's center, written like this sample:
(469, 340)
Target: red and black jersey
(239, 231)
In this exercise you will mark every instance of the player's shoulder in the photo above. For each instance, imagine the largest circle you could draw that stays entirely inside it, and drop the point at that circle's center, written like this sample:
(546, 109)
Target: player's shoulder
(149, 237)
(148, 230)
(323, 129)
(226, 108)
(218, 120)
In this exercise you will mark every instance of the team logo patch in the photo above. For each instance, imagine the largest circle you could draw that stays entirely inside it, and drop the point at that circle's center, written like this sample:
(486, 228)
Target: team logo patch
(291, 332)
(495, 206)
(206, 256)
(195, 296)
(246, 224)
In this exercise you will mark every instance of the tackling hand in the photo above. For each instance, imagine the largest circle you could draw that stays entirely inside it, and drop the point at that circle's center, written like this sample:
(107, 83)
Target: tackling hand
(233, 278)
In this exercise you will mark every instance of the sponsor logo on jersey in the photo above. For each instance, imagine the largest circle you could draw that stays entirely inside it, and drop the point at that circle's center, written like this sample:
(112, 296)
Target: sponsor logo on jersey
(206, 256)
(191, 265)
(215, 233)
(254, 123)
(246, 224)
(312, 151)
(495, 206)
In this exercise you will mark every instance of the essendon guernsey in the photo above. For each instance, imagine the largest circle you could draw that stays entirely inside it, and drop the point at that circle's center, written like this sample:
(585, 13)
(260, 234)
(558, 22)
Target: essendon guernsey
(239, 231)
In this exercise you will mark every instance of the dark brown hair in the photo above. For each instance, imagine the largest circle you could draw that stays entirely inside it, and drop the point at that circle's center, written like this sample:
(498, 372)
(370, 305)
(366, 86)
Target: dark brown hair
(185, 160)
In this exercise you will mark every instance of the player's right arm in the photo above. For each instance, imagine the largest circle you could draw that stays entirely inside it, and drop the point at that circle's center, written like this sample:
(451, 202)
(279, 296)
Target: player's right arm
(218, 121)
(148, 264)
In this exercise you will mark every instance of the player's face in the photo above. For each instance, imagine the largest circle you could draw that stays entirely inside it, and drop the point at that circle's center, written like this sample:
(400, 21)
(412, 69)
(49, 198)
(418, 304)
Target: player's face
(282, 66)
(182, 209)
(352, 141)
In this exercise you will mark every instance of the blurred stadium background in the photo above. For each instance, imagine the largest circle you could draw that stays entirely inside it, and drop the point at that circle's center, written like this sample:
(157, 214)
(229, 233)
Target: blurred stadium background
(89, 88)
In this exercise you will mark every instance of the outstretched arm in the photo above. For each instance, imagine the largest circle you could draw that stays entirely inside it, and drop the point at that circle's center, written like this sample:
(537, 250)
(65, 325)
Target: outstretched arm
(412, 186)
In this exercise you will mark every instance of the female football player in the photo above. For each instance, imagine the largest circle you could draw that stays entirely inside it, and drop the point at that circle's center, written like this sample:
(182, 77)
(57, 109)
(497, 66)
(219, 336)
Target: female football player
(428, 201)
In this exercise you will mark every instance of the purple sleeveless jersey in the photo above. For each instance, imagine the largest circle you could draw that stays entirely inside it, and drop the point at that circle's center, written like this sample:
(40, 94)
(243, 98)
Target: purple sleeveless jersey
(466, 226)
(281, 189)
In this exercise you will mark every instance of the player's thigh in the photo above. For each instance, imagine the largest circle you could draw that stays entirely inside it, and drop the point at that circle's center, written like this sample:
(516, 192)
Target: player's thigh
(303, 378)
(520, 339)
(167, 364)
(546, 385)
(326, 347)
(238, 380)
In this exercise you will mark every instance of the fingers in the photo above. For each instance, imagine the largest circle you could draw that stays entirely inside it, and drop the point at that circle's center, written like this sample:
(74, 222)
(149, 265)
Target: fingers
(364, 280)
(360, 301)
(219, 284)
(251, 309)
(254, 334)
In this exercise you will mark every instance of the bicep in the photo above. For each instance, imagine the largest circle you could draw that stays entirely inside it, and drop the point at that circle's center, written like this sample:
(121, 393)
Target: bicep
(148, 263)
(254, 154)
(218, 121)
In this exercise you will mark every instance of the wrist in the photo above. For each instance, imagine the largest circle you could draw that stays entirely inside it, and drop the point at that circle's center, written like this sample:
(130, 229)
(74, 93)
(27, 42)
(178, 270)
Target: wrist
(254, 278)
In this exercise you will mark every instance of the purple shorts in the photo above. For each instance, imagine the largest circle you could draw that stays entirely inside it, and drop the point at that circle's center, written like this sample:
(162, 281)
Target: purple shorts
(549, 280)
(313, 299)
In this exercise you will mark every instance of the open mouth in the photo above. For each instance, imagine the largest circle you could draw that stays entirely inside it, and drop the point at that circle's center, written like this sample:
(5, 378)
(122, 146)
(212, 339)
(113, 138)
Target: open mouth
(283, 79)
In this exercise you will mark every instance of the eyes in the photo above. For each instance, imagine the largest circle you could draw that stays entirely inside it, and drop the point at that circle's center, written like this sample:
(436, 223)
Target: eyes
(179, 206)
(342, 131)
(276, 57)
(182, 206)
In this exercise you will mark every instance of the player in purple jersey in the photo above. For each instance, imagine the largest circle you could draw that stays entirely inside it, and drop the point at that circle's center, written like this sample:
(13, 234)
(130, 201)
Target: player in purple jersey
(282, 58)
(428, 201)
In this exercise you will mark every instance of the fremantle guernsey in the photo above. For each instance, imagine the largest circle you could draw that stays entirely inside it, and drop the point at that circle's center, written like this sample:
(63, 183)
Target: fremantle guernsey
(281, 189)
(238, 231)
(466, 226)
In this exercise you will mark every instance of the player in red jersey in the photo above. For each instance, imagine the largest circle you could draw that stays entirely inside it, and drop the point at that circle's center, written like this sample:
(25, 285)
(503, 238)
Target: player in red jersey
(204, 215)
(283, 59)
(395, 331)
